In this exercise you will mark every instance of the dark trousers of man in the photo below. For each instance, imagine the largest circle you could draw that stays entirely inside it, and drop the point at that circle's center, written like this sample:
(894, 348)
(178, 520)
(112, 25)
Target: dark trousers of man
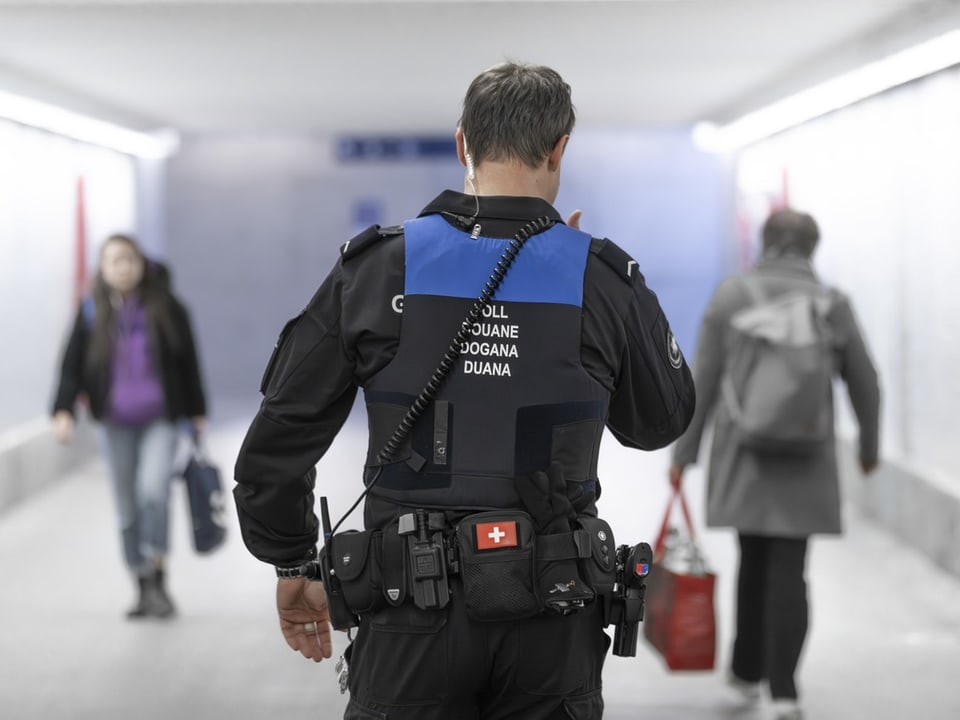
(410, 664)
(772, 612)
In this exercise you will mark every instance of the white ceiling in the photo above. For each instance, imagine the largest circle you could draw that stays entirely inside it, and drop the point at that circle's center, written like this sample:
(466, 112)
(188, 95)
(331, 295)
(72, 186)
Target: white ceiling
(212, 66)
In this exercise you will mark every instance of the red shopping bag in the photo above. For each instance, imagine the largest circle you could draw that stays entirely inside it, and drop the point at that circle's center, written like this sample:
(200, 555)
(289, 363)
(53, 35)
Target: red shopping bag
(679, 620)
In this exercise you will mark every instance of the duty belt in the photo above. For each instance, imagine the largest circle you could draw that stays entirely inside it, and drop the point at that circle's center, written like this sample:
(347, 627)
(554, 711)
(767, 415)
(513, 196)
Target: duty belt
(496, 554)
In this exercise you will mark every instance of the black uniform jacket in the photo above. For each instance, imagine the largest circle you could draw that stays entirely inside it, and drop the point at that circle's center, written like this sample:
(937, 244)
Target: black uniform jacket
(351, 329)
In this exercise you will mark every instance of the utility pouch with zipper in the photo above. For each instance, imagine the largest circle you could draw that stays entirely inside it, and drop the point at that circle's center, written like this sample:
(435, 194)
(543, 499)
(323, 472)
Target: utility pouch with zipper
(355, 558)
(497, 560)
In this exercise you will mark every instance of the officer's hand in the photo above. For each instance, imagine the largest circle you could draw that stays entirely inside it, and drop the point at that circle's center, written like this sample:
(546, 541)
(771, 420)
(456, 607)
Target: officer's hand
(574, 219)
(675, 473)
(299, 602)
(868, 466)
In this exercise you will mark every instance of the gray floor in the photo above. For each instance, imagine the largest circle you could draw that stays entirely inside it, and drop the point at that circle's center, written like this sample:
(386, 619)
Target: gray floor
(884, 642)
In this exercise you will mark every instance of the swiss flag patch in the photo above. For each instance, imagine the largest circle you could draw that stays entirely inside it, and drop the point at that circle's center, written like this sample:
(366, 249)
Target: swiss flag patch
(493, 535)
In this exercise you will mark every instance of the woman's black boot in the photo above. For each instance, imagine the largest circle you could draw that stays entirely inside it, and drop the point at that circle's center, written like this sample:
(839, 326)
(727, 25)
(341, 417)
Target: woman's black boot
(159, 603)
(141, 609)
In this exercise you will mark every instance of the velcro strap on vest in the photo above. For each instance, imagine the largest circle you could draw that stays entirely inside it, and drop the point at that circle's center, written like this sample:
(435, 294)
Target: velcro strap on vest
(563, 546)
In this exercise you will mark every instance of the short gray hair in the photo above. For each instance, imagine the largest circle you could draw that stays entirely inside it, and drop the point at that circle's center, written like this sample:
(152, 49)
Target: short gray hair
(516, 112)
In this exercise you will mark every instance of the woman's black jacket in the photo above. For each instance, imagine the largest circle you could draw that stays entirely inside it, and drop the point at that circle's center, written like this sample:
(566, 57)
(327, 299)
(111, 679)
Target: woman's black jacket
(177, 367)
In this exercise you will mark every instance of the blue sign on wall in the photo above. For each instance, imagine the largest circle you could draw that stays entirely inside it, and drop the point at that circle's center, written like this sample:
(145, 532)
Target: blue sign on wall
(391, 148)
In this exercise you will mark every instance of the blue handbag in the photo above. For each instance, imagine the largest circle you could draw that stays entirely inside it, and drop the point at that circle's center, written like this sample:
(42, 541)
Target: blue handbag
(207, 503)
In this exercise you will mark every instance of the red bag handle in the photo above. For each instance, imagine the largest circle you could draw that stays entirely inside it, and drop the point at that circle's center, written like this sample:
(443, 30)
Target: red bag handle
(662, 537)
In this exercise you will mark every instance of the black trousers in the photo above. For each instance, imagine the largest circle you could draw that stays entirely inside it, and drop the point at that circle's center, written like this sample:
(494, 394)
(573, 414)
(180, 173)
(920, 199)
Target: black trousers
(410, 664)
(772, 612)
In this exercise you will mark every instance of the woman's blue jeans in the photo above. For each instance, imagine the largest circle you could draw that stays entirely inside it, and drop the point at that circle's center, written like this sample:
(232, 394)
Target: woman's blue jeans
(140, 459)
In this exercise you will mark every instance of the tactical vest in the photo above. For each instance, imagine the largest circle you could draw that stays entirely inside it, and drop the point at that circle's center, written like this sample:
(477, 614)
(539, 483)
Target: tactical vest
(518, 396)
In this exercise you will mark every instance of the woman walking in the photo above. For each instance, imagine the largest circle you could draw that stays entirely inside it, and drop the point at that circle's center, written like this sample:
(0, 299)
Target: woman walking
(132, 354)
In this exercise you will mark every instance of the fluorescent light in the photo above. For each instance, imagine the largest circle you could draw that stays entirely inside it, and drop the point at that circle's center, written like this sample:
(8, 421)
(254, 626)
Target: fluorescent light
(87, 129)
(871, 79)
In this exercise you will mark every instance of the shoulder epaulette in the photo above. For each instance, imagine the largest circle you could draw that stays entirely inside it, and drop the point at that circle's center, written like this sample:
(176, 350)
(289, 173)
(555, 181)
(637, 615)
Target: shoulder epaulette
(365, 239)
(622, 264)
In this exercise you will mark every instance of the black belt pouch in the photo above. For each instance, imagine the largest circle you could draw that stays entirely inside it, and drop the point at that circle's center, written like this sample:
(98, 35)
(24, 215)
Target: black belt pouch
(497, 555)
(356, 560)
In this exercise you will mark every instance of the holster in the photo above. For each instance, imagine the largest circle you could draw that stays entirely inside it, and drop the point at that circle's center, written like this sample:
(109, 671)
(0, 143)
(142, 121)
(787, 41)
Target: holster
(599, 564)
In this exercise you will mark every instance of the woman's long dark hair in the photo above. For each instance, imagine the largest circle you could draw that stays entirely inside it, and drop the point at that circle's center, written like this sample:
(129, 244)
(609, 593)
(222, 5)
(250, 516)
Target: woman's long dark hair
(154, 292)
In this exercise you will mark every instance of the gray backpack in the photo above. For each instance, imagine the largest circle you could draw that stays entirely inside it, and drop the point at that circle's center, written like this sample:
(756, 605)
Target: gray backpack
(777, 382)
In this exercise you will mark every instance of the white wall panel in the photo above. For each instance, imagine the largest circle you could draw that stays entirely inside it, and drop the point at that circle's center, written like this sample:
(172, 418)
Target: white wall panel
(38, 210)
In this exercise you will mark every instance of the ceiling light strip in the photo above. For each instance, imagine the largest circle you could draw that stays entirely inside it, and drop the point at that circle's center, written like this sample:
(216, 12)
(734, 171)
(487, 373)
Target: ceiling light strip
(34, 113)
(871, 79)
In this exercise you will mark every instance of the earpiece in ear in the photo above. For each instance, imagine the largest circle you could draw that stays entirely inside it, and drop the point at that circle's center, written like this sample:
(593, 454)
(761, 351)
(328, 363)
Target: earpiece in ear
(470, 171)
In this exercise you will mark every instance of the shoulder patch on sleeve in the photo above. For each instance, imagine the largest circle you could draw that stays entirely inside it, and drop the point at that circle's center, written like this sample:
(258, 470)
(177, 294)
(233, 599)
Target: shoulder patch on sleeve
(367, 238)
(624, 265)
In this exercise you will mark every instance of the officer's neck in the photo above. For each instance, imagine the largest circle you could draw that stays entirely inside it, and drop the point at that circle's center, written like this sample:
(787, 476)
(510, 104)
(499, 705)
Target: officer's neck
(514, 179)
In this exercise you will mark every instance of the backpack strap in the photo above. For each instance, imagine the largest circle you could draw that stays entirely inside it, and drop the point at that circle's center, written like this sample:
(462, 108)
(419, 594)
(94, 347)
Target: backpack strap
(754, 288)
(730, 398)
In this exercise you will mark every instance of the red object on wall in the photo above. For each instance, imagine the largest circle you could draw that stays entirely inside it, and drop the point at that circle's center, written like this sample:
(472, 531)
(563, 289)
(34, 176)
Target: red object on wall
(783, 200)
(80, 246)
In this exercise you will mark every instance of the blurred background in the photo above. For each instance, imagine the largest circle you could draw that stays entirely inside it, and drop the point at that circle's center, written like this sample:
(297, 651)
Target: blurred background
(243, 141)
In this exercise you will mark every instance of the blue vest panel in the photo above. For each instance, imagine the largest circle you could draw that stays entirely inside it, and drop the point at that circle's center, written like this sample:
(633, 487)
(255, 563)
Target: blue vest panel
(518, 396)
(549, 269)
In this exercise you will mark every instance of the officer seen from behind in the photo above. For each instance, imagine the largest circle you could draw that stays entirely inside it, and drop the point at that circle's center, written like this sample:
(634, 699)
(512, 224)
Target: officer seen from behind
(482, 584)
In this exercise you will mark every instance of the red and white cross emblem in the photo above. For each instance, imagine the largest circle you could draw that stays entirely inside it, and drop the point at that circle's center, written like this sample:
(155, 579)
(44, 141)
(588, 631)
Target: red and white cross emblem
(493, 535)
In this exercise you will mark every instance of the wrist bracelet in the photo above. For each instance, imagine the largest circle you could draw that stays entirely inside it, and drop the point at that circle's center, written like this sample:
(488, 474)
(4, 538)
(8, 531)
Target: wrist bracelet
(309, 570)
